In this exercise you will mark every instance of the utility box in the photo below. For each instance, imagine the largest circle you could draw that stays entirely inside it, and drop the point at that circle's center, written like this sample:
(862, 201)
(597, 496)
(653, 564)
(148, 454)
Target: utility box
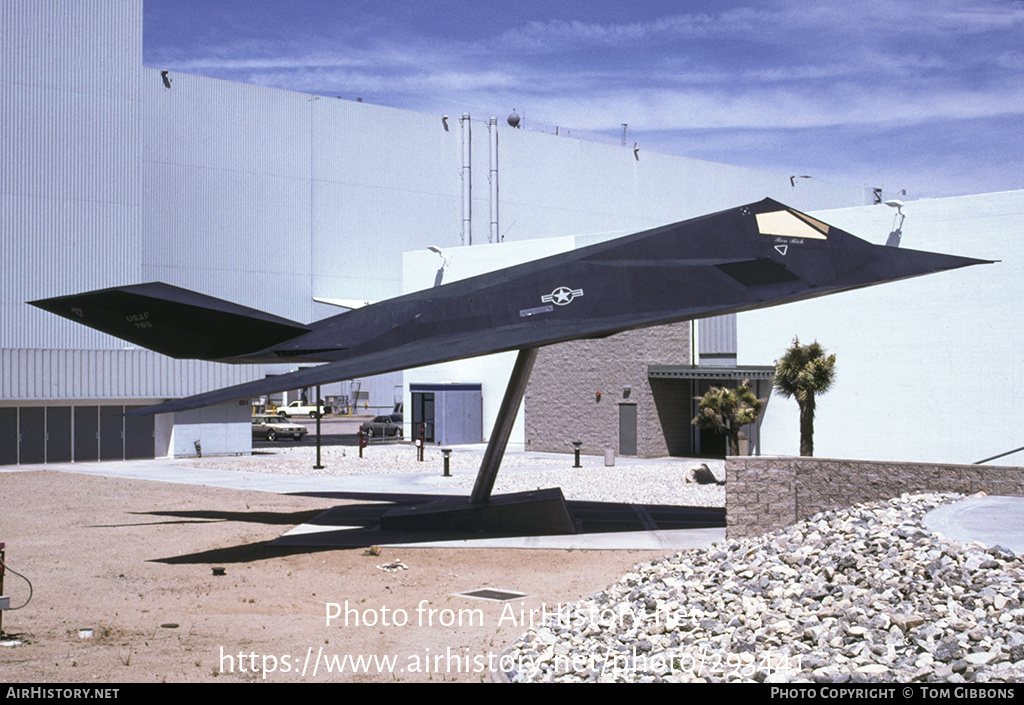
(448, 413)
(5, 602)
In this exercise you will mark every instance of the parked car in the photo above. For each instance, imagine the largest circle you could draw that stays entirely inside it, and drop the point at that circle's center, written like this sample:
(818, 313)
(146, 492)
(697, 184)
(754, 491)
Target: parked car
(297, 407)
(271, 428)
(387, 425)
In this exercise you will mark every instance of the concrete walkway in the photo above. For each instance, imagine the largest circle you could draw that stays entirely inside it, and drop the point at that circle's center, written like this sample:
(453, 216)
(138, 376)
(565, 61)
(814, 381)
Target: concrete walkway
(382, 490)
(992, 521)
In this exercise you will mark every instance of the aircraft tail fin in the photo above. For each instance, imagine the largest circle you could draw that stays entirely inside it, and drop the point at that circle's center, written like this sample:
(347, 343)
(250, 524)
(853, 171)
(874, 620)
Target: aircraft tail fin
(174, 321)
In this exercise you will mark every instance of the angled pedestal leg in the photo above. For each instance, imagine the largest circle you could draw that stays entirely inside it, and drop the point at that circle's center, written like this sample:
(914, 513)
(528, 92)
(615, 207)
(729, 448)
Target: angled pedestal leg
(530, 513)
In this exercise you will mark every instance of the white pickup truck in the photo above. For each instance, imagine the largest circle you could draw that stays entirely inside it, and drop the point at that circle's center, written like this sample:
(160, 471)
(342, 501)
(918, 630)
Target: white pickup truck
(300, 409)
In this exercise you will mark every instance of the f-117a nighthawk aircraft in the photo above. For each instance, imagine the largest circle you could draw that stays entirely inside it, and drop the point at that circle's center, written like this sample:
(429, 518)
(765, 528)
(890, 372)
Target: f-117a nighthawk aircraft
(753, 256)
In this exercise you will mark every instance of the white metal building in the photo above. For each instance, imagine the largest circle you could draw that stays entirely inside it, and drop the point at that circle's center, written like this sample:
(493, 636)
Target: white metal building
(113, 173)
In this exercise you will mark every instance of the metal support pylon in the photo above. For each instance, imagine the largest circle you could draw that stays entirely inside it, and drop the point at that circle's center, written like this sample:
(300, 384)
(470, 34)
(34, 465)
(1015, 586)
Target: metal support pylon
(503, 425)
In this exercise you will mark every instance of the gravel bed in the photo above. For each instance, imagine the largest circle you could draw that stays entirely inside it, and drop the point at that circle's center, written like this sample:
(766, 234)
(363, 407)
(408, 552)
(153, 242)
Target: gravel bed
(650, 484)
(640, 482)
(860, 595)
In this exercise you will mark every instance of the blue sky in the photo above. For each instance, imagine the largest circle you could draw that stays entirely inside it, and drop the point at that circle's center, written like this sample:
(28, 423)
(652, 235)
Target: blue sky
(922, 95)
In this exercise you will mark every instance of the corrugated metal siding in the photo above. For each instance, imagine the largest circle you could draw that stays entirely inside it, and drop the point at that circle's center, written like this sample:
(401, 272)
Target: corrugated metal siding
(111, 374)
(69, 162)
(717, 335)
(87, 46)
(555, 186)
(384, 181)
(227, 191)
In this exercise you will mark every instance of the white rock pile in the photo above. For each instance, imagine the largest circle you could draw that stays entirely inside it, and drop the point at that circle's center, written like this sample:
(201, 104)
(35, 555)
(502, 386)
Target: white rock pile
(865, 594)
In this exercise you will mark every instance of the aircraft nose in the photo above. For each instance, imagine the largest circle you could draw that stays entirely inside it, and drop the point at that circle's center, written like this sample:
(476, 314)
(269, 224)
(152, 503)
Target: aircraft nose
(891, 263)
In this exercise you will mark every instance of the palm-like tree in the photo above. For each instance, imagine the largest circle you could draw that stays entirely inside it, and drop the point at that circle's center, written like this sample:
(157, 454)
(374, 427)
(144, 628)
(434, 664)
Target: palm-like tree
(726, 410)
(804, 372)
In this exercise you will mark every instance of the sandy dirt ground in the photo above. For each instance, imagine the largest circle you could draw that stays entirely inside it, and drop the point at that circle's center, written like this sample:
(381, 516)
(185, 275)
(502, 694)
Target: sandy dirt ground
(133, 561)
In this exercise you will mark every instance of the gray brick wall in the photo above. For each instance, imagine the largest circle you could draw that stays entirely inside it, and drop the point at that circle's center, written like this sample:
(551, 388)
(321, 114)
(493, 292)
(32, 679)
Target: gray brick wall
(767, 493)
(561, 403)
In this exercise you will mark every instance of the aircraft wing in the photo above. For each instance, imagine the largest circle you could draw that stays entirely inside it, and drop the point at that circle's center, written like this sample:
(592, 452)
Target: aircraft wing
(406, 357)
(175, 322)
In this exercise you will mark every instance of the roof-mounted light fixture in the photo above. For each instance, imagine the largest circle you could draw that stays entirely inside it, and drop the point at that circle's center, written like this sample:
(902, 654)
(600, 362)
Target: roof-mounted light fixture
(444, 264)
(897, 223)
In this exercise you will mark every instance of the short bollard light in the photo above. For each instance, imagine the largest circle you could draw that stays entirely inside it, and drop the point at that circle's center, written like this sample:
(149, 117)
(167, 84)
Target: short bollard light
(576, 452)
(447, 460)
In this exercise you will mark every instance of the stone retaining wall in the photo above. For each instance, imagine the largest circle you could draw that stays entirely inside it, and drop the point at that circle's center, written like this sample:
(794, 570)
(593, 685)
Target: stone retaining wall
(767, 493)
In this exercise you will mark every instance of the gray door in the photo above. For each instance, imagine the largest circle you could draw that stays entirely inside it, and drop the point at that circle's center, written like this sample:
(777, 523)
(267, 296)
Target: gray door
(58, 434)
(423, 416)
(8, 436)
(627, 429)
(138, 435)
(32, 435)
(87, 433)
(111, 433)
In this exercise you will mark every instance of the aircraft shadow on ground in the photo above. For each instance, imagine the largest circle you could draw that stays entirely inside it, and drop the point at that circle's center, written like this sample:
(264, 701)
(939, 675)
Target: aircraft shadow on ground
(357, 525)
(203, 516)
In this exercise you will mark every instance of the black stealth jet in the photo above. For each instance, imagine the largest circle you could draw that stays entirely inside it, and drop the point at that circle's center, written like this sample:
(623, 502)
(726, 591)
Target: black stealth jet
(753, 256)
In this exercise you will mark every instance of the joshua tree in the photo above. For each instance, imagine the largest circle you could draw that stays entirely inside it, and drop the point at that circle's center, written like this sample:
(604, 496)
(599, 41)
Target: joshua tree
(725, 410)
(804, 372)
